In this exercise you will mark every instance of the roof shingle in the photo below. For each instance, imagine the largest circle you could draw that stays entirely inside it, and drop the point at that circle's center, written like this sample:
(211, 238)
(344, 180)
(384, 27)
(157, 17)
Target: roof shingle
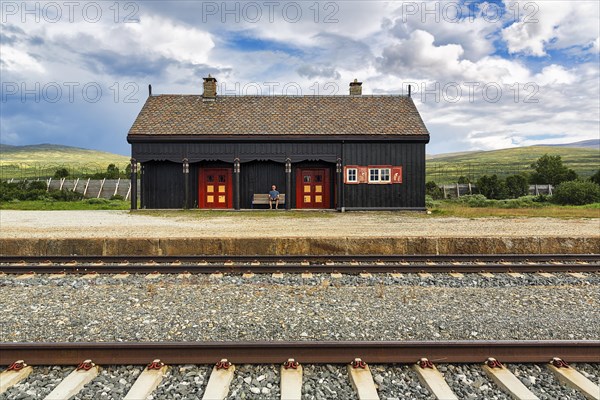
(278, 115)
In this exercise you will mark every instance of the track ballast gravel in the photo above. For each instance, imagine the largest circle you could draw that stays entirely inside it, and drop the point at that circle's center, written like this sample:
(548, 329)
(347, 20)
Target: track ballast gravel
(76, 309)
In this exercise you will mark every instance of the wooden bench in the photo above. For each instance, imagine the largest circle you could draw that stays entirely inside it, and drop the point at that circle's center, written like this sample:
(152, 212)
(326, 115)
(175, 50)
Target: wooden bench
(260, 198)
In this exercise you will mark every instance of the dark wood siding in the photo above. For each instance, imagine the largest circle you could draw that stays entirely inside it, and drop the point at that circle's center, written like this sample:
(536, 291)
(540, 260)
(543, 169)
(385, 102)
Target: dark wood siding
(262, 164)
(229, 151)
(257, 177)
(163, 185)
(409, 194)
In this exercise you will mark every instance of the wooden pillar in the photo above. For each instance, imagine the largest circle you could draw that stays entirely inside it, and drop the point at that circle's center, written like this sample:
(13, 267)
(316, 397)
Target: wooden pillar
(186, 183)
(288, 184)
(339, 183)
(142, 173)
(133, 184)
(236, 183)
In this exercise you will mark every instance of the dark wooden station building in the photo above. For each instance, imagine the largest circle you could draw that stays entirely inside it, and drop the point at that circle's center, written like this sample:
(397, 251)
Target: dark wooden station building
(208, 151)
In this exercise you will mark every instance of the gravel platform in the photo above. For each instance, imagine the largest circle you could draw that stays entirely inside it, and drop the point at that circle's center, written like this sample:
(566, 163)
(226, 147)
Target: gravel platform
(180, 224)
(75, 309)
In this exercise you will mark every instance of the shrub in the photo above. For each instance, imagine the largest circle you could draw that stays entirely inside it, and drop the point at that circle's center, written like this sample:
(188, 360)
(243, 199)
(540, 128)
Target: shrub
(22, 190)
(434, 190)
(492, 187)
(112, 171)
(474, 200)
(61, 173)
(516, 186)
(550, 170)
(65, 195)
(430, 202)
(463, 180)
(541, 198)
(35, 194)
(521, 202)
(577, 193)
(596, 178)
(37, 185)
(117, 197)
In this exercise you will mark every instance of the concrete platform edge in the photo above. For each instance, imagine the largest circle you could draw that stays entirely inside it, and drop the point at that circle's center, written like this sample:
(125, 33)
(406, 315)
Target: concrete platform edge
(299, 246)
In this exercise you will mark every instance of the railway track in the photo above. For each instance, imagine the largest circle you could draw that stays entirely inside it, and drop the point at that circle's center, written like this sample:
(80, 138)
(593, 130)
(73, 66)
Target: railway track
(363, 365)
(300, 264)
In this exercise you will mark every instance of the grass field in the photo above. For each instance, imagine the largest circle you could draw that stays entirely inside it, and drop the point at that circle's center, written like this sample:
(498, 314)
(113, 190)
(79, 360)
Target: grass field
(63, 205)
(447, 169)
(452, 209)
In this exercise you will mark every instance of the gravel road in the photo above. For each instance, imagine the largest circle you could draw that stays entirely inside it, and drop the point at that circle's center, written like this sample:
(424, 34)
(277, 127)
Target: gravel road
(115, 224)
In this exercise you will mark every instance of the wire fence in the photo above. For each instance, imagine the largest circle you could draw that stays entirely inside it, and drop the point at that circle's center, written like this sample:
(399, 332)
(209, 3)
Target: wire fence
(449, 173)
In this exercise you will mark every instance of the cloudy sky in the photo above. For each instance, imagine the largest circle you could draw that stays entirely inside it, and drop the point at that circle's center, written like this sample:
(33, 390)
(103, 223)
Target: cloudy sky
(485, 75)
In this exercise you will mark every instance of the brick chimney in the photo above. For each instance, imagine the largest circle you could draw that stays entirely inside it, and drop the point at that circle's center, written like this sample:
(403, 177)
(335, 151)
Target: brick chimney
(355, 88)
(210, 87)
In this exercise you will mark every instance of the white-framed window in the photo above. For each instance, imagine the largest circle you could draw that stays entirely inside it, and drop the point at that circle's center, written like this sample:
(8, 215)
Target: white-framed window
(351, 175)
(380, 175)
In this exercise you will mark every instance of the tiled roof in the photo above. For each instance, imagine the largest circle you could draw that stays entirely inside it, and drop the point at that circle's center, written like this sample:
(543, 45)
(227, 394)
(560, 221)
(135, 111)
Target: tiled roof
(278, 115)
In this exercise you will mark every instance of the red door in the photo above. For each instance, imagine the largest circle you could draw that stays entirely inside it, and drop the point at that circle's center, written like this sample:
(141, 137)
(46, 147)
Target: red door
(214, 189)
(312, 188)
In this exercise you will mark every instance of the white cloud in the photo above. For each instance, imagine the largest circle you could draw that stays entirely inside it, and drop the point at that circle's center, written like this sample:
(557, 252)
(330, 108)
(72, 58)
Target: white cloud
(17, 60)
(555, 74)
(551, 25)
(473, 29)
(174, 41)
(561, 103)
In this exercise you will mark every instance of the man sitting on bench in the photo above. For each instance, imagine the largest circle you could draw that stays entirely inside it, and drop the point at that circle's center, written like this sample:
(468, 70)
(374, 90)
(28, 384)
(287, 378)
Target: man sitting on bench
(273, 197)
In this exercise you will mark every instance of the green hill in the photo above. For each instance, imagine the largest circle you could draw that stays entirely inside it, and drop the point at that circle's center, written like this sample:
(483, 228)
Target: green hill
(448, 168)
(42, 160)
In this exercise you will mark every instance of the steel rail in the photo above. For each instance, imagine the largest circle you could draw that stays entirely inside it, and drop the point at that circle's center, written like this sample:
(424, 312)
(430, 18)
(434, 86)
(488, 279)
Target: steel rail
(490, 258)
(167, 268)
(305, 352)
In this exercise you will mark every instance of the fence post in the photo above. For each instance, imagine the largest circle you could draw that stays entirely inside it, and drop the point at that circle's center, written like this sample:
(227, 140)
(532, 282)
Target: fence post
(101, 187)
(86, 187)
